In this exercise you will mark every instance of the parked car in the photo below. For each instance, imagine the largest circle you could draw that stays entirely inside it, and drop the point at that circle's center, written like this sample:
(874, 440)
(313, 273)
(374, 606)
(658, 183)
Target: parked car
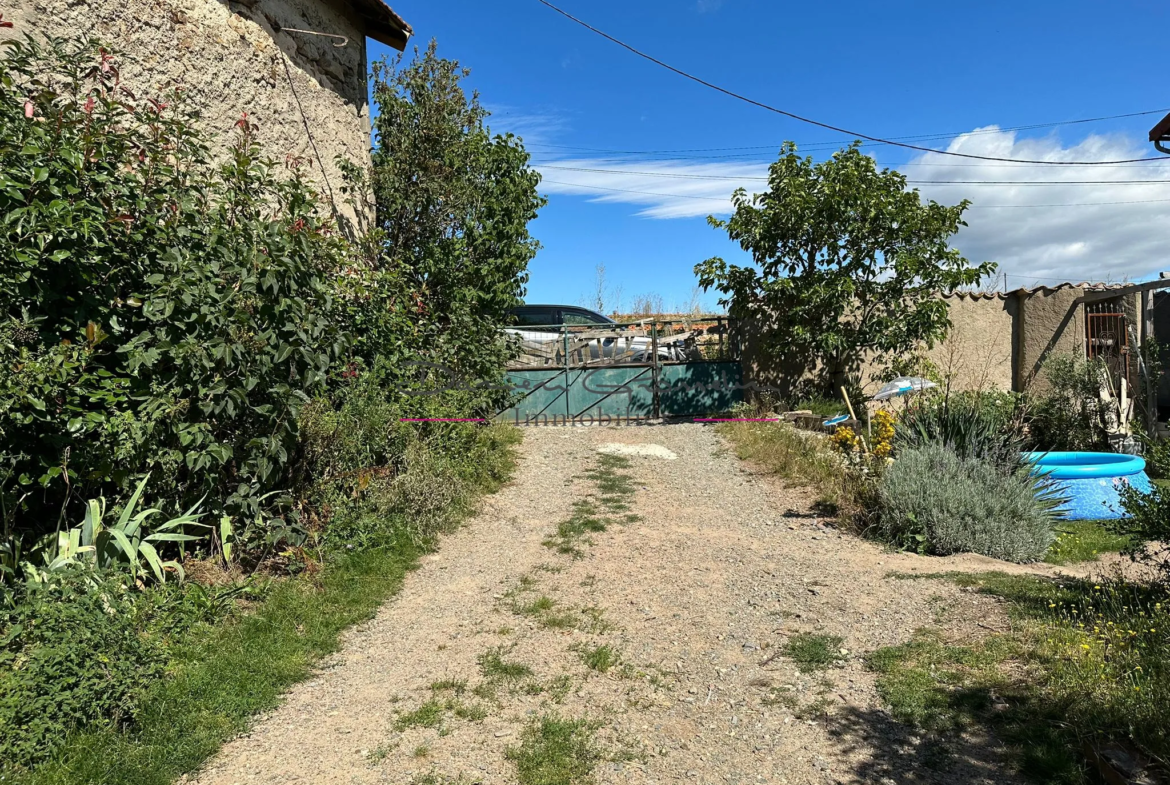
(543, 324)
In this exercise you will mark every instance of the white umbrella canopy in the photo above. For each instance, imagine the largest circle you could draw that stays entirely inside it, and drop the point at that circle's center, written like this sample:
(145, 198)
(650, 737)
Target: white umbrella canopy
(901, 386)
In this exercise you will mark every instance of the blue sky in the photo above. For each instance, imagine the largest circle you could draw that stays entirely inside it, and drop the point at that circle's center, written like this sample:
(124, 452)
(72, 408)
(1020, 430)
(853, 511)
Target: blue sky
(886, 69)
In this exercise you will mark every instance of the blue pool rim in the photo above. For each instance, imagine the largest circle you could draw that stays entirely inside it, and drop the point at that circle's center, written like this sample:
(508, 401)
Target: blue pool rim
(1090, 482)
(1085, 465)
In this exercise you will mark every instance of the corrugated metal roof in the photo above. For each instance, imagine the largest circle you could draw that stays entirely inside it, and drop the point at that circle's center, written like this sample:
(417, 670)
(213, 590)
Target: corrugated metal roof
(382, 23)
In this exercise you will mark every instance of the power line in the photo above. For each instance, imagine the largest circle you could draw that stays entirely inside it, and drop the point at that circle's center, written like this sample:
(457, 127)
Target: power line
(1072, 204)
(747, 158)
(682, 176)
(644, 193)
(818, 123)
(719, 198)
(812, 145)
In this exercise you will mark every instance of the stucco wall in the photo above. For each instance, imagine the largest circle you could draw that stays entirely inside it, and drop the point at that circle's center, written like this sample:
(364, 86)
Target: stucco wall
(979, 351)
(228, 59)
(1052, 321)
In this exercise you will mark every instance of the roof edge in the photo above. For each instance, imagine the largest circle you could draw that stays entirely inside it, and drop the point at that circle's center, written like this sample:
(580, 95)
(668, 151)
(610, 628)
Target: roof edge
(382, 24)
(1161, 131)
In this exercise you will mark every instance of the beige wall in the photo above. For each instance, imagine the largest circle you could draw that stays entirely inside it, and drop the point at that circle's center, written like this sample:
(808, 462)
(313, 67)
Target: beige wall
(979, 351)
(997, 341)
(228, 58)
(1053, 323)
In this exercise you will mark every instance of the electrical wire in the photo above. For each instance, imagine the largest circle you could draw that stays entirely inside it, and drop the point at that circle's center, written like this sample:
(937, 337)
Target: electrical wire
(812, 145)
(681, 176)
(818, 123)
(720, 198)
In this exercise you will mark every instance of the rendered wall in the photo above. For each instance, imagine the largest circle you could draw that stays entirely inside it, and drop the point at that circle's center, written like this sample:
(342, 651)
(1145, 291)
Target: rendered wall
(1052, 321)
(229, 60)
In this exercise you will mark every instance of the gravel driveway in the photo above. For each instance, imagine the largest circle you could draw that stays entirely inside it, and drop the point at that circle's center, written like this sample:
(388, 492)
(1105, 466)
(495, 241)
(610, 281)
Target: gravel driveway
(695, 598)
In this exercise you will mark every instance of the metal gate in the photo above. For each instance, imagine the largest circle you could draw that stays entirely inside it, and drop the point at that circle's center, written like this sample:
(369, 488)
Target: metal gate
(1107, 339)
(624, 372)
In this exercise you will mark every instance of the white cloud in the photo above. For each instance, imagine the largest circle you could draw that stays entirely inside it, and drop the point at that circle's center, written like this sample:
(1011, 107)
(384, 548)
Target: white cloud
(708, 6)
(1116, 232)
(534, 126)
(661, 189)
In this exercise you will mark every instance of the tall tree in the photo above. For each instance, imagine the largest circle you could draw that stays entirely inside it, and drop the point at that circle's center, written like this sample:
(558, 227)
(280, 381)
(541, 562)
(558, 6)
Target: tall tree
(848, 263)
(453, 207)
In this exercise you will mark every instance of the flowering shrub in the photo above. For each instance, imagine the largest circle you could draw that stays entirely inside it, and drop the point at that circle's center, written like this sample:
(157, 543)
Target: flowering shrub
(158, 313)
(936, 500)
(883, 433)
(846, 440)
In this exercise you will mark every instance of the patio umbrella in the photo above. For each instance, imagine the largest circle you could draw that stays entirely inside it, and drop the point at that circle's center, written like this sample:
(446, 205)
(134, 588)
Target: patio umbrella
(901, 386)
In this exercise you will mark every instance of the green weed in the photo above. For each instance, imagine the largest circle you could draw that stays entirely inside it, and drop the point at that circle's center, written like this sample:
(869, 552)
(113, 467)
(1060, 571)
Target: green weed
(599, 658)
(428, 715)
(495, 668)
(457, 686)
(556, 751)
(813, 652)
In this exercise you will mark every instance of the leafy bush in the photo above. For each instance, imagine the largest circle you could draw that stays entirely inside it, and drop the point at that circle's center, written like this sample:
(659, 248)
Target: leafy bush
(976, 425)
(157, 312)
(69, 656)
(1069, 415)
(1148, 525)
(935, 500)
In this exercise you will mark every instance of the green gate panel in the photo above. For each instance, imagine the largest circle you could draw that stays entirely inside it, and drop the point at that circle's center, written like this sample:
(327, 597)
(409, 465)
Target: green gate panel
(699, 388)
(622, 392)
(543, 396)
(614, 392)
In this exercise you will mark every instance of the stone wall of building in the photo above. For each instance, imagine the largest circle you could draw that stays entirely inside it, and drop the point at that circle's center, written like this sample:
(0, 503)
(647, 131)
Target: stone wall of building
(235, 57)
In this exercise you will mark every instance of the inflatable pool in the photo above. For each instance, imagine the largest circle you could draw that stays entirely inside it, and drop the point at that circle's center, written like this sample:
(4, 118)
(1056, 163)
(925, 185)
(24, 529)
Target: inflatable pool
(1090, 481)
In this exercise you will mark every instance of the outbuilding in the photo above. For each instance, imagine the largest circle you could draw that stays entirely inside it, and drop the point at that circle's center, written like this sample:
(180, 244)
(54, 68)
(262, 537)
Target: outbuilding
(297, 67)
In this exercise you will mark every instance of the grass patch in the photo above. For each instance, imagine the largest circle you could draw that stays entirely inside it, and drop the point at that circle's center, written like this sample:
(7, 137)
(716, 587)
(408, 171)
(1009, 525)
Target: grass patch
(216, 685)
(556, 751)
(457, 686)
(1082, 541)
(431, 713)
(219, 680)
(1097, 658)
(935, 686)
(544, 610)
(804, 459)
(485, 690)
(607, 505)
(495, 668)
(428, 715)
(595, 620)
(812, 652)
(946, 689)
(558, 688)
(599, 658)
(472, 712)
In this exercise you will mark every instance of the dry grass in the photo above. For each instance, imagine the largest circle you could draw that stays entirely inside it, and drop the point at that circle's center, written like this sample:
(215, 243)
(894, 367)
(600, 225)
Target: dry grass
(804, 459)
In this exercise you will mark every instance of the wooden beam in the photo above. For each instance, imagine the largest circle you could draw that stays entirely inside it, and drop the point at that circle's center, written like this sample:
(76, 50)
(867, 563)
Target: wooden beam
(1147, 337)
(1096, 295)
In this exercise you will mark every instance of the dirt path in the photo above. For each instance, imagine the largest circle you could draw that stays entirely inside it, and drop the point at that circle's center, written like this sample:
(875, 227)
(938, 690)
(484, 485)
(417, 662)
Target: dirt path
(695, 597)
